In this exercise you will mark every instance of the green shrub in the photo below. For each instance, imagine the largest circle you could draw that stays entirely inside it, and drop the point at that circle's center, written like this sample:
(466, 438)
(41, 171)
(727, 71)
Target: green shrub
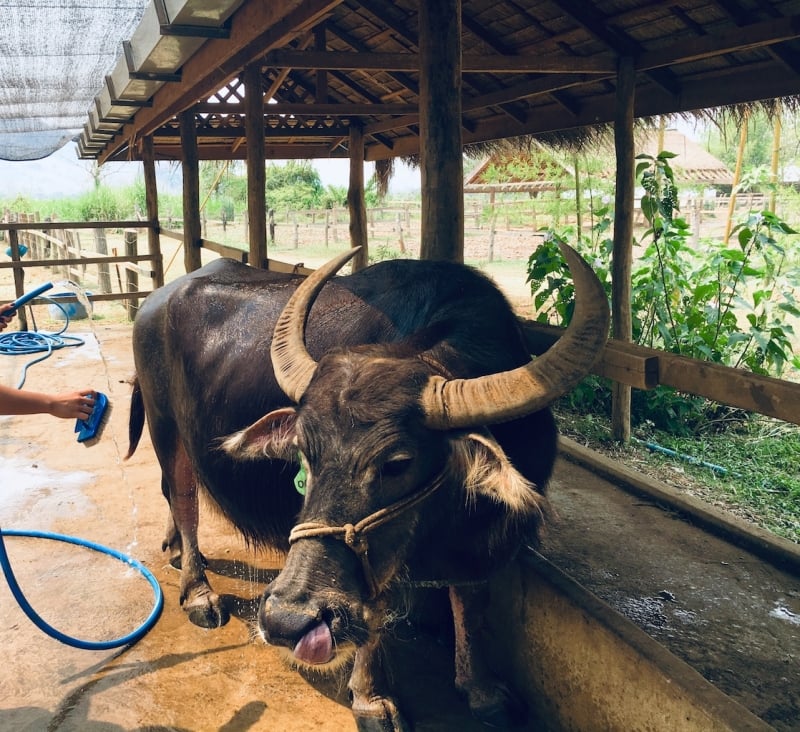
(728, 303)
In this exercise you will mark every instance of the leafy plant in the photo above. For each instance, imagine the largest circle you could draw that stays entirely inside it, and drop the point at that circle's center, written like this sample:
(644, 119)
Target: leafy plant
(725, 303)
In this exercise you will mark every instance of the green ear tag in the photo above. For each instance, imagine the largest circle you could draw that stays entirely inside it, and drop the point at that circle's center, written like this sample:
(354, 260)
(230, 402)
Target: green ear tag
(300, 479)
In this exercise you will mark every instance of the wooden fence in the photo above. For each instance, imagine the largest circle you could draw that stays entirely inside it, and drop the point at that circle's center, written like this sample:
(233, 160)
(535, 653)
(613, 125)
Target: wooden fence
(638, 367)
(68, 252)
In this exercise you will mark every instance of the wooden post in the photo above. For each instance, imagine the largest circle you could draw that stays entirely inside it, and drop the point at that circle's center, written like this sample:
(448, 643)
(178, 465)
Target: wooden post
(256, 170)
(191, 192)
(578, 197)
(492, 232)
(621, 319)
(19, 277)
(103, 272)
(131, 276)
(399, 224)
(356, 200)
(151, 202)
(441, 163)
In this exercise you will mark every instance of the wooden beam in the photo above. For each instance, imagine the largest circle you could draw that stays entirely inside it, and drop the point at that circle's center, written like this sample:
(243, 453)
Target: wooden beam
(535, 87)
(646, 368)
(490, 64)
(622, 362)
(53, 225)
(756, 35)
(315, 109)
(255, 28)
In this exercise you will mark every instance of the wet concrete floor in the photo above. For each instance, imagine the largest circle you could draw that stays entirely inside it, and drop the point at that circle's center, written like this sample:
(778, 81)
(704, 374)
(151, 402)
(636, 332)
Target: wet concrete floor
(713, 605)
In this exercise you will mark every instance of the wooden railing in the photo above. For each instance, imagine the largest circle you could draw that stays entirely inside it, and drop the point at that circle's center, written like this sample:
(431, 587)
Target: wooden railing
(646, 368)
(626, 363)
(57, 246)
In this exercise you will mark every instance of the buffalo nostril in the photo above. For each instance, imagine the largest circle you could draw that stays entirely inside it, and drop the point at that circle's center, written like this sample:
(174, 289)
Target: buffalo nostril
(283, 625)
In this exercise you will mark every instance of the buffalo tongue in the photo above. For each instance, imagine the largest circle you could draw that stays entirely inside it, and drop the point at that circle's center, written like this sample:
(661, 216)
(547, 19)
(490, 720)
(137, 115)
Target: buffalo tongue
(316, 646)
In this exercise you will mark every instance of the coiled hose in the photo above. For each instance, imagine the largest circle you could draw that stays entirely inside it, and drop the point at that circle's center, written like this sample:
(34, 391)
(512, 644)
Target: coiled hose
(24, 342)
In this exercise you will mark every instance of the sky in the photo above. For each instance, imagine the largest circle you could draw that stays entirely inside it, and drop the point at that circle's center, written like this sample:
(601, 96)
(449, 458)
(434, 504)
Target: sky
(63, 174)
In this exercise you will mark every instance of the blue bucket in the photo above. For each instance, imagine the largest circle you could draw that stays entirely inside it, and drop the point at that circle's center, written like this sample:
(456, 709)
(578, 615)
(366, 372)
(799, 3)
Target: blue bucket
(74, 310)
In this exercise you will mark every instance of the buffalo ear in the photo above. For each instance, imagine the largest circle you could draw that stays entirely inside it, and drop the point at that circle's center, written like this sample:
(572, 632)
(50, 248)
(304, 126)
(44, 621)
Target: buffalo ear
(489, 473)
(271, 436)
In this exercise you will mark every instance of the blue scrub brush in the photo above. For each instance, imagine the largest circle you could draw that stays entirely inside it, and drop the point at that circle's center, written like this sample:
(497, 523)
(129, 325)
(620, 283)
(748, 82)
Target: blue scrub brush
(89, 429)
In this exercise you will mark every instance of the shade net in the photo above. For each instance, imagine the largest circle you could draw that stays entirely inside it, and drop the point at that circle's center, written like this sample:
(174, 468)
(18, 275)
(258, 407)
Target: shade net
(54, 55)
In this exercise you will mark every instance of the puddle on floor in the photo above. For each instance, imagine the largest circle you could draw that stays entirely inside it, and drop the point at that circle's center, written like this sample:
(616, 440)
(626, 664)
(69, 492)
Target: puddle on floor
(31, 488)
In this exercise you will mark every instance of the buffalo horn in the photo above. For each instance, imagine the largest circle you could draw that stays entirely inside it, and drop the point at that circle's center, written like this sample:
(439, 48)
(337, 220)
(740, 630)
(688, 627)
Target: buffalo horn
(293, 366)
(459, 403)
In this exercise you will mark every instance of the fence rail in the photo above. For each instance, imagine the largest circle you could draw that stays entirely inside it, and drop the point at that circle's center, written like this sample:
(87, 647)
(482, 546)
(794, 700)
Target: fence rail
(625, 363)
(57, 246)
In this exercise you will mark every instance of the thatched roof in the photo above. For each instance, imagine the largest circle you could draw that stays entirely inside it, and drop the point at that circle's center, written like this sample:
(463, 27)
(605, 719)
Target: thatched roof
(520, 172)
(692, 164)
(536, 169)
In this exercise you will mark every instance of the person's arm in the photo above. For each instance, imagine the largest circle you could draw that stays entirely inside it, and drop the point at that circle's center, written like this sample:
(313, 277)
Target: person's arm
(72, 405)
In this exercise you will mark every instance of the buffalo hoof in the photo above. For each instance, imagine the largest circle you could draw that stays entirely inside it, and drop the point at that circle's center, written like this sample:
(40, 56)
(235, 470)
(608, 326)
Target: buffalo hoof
(380, 715)
(207, 611)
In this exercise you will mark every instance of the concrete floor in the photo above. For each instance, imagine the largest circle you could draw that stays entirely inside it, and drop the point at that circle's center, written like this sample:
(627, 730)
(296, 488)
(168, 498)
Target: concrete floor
(178, 677)
(716, 606)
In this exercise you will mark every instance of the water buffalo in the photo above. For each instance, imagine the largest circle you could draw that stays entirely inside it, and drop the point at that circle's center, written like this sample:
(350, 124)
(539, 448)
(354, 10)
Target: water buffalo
(385, 428)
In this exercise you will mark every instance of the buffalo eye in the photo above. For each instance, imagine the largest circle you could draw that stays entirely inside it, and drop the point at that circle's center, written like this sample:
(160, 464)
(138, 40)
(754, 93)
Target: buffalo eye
(395, 466)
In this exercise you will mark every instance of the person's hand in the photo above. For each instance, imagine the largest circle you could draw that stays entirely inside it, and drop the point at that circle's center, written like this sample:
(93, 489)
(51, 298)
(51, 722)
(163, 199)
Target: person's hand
(5, 319)
(73, 405)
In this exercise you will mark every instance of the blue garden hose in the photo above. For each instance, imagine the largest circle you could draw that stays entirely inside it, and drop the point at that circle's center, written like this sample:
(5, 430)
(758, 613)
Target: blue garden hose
(49, 629)
(24, 342)
(30, 342)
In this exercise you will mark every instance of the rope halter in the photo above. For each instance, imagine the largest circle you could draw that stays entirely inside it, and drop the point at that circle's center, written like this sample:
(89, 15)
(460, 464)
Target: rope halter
(355, 535)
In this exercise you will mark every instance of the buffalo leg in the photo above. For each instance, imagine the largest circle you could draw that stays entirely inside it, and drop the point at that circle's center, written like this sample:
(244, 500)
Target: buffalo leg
(198, 600)
(373, 709)
(172, 537)
(489, 699)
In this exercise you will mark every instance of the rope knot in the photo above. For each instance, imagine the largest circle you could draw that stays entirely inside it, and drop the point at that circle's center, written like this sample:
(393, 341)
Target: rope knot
(354, 539)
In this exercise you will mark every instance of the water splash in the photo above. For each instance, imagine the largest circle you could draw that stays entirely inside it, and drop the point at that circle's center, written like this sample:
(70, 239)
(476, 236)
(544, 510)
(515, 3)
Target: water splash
(79, 293)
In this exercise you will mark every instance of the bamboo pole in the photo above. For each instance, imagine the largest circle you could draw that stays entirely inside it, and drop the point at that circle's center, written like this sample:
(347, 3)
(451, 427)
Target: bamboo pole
(737, 176)
(776, 147)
